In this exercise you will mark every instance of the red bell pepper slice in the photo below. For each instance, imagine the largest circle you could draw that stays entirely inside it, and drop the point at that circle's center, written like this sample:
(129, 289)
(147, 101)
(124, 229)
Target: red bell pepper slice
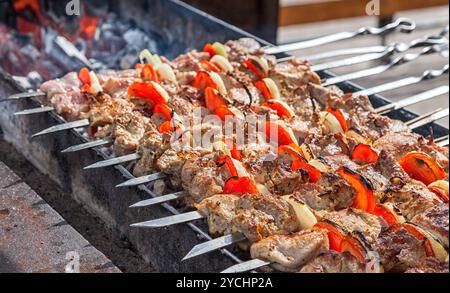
(351, 245)
(365, 198)
(262, 87)
(278, 107)
(228, 162)
(386, 214)
(335, 237)
(422, 167)
(213, 99)
(284, 137)
(84, 76)
(255, 67)
(442, 194)
(365, 153)
(223, 113)
(208, 48)
(240, 186)
(147, 92)
(340, 117)
(164, 110)
(206, 65)
(300, 162)
(313, 173)
(235, 153)
(202, 81)
(149, 73)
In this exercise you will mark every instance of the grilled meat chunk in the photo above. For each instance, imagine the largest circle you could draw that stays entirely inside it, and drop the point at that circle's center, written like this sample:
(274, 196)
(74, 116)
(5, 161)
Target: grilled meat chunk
(151, 147)
(290, 252)
(65, 96)
(128, 131)
(399, 250)
(220, 211)
(430, 266)
(352, 220)
(259, 216)
(334, 262)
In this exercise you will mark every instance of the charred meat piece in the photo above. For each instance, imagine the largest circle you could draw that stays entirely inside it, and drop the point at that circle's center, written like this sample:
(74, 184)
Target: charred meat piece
(399, 250)
(259, 216)
(65, 96)
(430, 266)
(435, 221)
(128, 132)
(220, 211)
(334, 262)
(290, 252)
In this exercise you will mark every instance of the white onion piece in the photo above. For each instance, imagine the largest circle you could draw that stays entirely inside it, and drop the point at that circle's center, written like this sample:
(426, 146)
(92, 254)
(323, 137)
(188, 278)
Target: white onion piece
(95, 83)
(220, 49)
(319, 166)
(161, 91)
(242, 172)
(357, 137)
(305, 217)
(285, 105)
(330, 123)
(273, 88)
(441, 184)
(307, 152)
(166, 73)
(237, 113)
(263, 190)
(151, 59)
(439, 251)
(223, 63)
(219, 82)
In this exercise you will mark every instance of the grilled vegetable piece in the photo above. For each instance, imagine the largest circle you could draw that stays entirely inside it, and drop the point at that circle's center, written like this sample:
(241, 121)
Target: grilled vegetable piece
(365, 153)
(389, 213)
(151, 92)
(335, 235)
(214, 99)
(215, 49)
(211, 79)
(240, 186)
(330, 123)
(440, 188)
(300, 162)
(364, 199)
(422, 167)
(84, 76)
(284, 135)
(148, 73)
(337, 113)
(258, 65)
(305, 217)
(268, 89)
(282, 109)
(222, 63)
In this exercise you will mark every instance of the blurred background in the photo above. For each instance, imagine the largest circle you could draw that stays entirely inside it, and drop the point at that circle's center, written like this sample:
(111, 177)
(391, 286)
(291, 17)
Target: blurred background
(286, 21)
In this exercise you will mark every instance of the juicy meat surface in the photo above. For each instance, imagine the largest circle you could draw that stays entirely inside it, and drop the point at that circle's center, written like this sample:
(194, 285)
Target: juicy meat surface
(220, 211)
(65, 96)
(430, 266)
(291, 251)
(334, 262)
(259, 216)
(399, 250)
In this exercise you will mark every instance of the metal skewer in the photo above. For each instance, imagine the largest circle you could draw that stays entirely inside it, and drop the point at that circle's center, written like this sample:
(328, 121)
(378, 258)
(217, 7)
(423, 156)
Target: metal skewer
(34, 111)
(214, 245)
(23, 96)
(425, 96)
(427, 118)
(444, 142)
(427, 75)
(403, 24)
(246, 266)
(170, 221)
(114, 161)
(383, 68)
(88, 145)
(160, 199)
(63, 127)
(389, 50)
